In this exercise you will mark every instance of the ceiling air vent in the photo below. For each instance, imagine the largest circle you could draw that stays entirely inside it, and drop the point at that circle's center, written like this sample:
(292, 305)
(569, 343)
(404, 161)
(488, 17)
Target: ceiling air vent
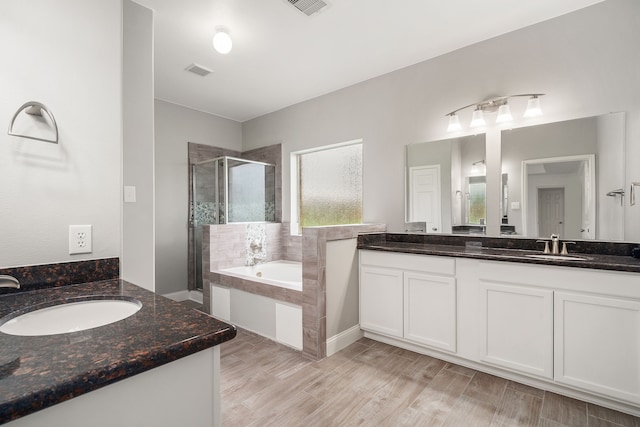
(198, 69)
(308, 7)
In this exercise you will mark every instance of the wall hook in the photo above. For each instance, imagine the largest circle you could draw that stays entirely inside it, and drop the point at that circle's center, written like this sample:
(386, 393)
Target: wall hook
(616, 193)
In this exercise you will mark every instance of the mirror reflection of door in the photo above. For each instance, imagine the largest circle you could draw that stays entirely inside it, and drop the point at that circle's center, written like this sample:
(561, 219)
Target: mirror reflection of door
(550, 211)
(424, 196)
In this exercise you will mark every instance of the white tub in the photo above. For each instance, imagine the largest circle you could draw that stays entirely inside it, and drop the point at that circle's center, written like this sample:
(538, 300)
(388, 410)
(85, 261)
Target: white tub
(285, 274)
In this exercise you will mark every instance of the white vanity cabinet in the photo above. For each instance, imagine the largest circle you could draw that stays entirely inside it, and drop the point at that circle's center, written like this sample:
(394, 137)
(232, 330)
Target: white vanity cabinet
(574, 331)
(411, 297)
(516, 328)
(381, 300)
(578, 327)
(430, 310)
(597, 344)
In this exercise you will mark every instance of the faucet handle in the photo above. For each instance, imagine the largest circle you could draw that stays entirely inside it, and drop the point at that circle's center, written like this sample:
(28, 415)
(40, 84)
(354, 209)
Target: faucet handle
(546, 245)
(9, 282)
(554, 237)
(564, 247)
(256, 246)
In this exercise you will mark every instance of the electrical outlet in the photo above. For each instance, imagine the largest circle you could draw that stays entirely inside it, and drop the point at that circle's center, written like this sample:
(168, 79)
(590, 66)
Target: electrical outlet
(79, 239)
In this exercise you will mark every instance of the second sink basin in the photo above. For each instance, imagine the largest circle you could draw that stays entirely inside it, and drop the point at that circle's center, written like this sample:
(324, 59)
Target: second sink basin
(70, 317)
(558, 257)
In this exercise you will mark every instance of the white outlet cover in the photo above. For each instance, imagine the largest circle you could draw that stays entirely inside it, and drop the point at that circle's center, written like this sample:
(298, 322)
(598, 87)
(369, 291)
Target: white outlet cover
(80, 239)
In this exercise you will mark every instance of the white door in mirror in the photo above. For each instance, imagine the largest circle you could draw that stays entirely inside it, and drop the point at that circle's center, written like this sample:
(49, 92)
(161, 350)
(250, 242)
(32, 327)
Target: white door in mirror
(70, 317)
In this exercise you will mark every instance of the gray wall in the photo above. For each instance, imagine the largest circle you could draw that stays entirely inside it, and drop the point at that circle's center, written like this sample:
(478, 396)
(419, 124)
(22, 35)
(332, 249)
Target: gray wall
(138, 255)
(342, 291)
(175, 126)
(586, 62)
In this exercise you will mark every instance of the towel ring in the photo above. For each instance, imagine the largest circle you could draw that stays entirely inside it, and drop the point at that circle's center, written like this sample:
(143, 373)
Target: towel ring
(35, 109)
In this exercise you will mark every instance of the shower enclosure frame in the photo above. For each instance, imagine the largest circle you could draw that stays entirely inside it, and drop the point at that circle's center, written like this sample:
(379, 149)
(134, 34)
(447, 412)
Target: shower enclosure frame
(195, 253)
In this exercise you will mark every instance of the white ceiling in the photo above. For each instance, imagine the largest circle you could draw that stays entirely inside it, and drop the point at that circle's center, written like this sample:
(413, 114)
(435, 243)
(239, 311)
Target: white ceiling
(281, 57)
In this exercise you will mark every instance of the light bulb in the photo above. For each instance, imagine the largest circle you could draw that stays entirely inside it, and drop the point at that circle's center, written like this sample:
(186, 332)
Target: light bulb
(477, 119)
(454, 123)
(533, 107)
(504, 114)
(222, 42)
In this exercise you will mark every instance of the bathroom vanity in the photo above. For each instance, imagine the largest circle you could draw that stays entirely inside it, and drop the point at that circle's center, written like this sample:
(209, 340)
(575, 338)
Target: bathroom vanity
(159, 366)
(566, 324)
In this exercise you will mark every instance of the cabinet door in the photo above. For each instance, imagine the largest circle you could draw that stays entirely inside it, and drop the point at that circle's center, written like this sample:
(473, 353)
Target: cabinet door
(597, 344)
(516, 328)
(430, 310)
(381, 300)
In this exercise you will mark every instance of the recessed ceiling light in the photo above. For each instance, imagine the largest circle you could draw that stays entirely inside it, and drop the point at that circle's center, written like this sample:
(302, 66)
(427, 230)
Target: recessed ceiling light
(222, 42)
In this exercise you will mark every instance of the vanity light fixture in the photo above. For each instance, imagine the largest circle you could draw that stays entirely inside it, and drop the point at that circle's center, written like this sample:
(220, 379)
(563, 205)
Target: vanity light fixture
(504, 114)
(477, 119)
(499, 104)
(533, 107)
(454, 123)
(222, 41)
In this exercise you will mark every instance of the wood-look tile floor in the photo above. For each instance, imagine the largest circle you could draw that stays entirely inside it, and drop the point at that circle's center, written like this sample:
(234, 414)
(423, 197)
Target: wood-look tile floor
(374, 384)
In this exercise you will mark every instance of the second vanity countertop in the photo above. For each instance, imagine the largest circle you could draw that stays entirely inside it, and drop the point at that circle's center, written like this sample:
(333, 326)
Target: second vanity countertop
(454, 246)
(38, 372)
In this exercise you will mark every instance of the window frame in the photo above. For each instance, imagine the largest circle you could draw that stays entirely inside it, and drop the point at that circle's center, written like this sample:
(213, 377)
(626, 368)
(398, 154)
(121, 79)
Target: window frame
(294, 220)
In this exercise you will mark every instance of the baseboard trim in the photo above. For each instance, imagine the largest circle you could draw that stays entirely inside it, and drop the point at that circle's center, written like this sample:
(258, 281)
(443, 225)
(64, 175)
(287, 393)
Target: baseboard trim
(185, 296)
(196, 296)
(343, 339)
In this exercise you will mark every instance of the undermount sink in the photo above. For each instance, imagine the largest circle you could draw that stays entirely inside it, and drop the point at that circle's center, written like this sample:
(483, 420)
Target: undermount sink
(558, 257)
(70, 317)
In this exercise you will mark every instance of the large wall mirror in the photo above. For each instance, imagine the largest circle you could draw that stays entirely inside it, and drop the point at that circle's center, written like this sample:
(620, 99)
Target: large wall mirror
(566, 178)
(446, 185)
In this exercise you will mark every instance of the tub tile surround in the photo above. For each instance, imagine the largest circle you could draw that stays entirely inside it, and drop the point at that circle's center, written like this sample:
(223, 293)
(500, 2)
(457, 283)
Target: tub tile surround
(33, 277)
(223, 248)
(615, 256)
(38, 372)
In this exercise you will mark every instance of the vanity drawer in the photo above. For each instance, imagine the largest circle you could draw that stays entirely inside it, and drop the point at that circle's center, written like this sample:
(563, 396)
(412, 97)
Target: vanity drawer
(424, 263)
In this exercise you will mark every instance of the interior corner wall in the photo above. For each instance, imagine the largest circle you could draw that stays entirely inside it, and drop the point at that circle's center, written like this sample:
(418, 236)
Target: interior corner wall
(75, 69)
(137, 259)
(175, 127)
(583, 61)
(342, 293)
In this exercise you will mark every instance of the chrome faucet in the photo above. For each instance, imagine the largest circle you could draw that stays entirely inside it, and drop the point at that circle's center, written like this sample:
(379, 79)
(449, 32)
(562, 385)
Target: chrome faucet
(256, 246)
(555, 241)
(255, 260)
(9, 282)
(555, 245)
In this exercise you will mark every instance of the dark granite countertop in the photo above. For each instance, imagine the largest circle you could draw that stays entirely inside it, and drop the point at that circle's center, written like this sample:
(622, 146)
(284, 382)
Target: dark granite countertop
(38, 372)
(614, 256)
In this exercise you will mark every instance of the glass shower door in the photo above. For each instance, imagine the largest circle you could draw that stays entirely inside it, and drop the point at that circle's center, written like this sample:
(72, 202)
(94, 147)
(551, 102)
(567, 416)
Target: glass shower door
(207, 208)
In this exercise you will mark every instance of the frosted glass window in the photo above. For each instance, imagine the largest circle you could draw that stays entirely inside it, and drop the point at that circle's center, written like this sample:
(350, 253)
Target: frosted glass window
(330, 186)
(477, 207)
